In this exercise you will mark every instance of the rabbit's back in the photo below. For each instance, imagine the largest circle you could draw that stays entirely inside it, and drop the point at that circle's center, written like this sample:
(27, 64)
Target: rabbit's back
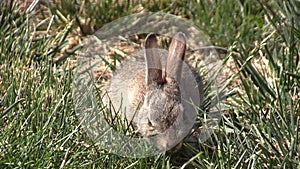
(128, 85)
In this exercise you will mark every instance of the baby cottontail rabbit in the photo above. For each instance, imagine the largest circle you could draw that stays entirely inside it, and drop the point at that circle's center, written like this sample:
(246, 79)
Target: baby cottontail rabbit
(158, 92)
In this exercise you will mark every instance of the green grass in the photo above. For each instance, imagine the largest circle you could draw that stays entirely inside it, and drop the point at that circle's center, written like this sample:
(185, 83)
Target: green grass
(259, 129)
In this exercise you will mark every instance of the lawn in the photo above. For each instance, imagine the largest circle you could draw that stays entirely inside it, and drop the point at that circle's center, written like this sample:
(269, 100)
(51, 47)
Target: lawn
(259, 46)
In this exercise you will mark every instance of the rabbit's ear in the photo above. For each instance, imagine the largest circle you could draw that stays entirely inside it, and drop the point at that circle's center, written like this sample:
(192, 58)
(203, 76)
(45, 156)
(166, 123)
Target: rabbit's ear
(176, 56)
(152, 57)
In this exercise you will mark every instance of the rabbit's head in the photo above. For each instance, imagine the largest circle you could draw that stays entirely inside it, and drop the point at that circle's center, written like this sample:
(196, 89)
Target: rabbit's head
(157, 89)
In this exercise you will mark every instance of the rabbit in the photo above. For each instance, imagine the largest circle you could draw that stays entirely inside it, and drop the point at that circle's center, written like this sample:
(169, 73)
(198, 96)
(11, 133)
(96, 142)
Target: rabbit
(158, 92)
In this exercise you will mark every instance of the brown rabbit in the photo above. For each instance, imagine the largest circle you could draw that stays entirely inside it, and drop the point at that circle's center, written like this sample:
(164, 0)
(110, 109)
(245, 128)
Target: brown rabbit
(158, 91)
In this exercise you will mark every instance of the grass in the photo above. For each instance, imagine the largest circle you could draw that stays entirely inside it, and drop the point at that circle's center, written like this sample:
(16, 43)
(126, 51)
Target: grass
(259, 129)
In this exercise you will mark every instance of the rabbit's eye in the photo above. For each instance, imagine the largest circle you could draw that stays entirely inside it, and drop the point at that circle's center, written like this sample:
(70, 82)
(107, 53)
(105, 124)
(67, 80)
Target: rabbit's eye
(149, 123)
